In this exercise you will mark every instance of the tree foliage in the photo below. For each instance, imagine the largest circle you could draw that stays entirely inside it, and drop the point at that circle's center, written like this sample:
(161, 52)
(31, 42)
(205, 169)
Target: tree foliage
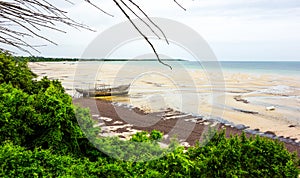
(16, 73)
(37, 113)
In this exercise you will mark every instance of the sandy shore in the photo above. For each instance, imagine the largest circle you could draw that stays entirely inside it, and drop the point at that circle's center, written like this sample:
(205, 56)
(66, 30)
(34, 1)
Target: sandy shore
(241, 99)
(116, 120)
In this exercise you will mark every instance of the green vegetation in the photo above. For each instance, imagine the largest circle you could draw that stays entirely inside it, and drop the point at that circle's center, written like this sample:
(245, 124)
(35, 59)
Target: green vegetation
(49, 59)
(42, 134)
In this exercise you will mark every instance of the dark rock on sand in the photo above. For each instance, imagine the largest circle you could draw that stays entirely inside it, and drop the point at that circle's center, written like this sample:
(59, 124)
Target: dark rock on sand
(241, 126)
(240, 99)
(270, 133)
(245, 111)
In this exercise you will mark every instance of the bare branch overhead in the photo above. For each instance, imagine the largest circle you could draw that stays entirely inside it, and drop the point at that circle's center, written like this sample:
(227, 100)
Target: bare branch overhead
(26, 18)
(141, 33)
(180, 5)
(20, 19)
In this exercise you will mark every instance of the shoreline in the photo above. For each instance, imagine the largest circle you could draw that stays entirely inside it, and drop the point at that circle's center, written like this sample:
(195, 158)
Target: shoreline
(123, 121)
(258, 90)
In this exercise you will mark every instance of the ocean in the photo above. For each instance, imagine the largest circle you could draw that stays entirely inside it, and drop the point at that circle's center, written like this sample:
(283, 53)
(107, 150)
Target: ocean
(262, 67)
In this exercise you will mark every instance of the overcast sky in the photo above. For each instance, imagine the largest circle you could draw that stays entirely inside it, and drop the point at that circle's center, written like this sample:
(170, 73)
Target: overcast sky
(234, 29)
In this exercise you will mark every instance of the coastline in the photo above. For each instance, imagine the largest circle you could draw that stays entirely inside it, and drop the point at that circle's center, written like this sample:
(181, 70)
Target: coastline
(258, 90)
(122, 121)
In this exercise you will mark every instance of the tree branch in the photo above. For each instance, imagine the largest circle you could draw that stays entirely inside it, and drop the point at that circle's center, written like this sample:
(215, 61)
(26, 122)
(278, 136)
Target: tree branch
(29, 17)
(142, 34)
(180, 5)
(138, 7)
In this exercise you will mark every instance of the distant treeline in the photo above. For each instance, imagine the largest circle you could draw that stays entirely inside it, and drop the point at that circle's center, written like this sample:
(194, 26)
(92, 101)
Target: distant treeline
(49, 59)
(43, 59)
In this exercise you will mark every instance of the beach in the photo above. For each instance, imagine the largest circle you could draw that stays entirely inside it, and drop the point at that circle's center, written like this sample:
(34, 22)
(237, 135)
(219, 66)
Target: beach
(229, 98)
(121, 121)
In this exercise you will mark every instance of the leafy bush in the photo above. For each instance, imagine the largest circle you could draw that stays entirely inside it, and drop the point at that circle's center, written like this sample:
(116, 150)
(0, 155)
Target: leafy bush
(16, 73)
(42, 117)
(16, 161)
(243, 157)
(143, 136)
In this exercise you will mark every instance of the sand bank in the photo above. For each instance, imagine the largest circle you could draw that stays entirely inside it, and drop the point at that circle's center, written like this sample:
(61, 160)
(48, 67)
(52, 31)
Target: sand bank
(193, 91)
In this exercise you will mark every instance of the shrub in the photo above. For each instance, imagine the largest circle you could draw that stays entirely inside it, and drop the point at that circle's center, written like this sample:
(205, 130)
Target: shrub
(243, 157)
(16, 73)
(16, 161)
(42, 117)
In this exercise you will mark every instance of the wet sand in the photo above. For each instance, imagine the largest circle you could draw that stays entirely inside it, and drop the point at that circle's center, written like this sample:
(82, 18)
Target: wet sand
(123, 121)
(241, 101)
